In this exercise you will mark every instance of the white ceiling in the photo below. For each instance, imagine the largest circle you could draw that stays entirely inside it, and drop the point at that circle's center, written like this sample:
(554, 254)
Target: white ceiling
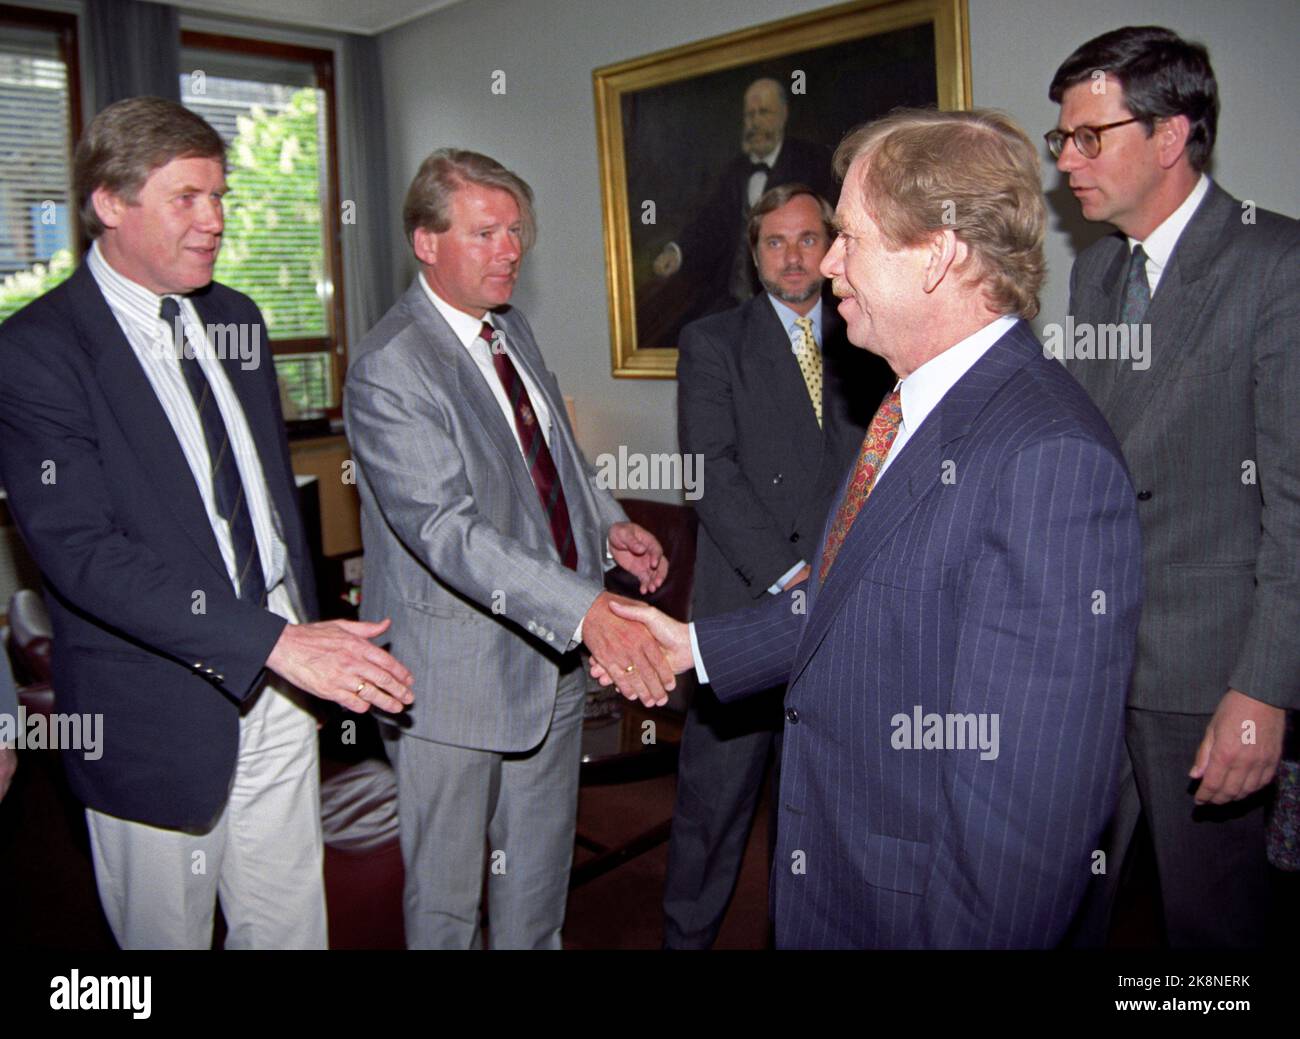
(360, 16)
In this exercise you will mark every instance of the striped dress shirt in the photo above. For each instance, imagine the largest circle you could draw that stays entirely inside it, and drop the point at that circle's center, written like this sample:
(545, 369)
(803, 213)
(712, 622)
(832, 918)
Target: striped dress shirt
(137, 311)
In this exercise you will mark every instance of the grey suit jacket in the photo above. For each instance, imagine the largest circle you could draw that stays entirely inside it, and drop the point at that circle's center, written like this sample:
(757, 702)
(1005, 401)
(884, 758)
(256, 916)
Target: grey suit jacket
(458, 549)
(1211, 435)
(770, 472)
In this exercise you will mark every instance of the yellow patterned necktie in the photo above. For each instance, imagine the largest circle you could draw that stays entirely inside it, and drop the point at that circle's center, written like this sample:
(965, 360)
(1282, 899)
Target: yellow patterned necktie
(875, 449)
(810, 363)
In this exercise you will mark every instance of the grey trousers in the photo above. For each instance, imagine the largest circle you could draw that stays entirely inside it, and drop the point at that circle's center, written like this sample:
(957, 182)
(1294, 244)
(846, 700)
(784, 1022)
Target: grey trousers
(1214, 880)
(468, 814)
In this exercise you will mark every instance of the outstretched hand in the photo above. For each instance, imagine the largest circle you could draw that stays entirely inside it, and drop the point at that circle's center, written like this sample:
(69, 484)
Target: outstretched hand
(333, 660)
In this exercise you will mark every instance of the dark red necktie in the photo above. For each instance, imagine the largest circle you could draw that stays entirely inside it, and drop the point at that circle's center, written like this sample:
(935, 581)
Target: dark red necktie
(537, 456)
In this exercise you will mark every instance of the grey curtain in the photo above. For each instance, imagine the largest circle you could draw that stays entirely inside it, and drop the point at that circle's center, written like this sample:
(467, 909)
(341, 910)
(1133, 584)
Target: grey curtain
(372, 225)
(135, 49)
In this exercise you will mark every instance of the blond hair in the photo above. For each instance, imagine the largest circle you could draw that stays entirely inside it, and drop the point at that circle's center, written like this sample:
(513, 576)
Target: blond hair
(446, 171)
(974, 172)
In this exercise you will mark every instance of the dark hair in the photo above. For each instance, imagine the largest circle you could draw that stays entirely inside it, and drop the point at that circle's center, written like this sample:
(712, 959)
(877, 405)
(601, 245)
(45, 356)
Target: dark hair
(446, 171)
(779, 196)
(1162, 75)
(130, 139)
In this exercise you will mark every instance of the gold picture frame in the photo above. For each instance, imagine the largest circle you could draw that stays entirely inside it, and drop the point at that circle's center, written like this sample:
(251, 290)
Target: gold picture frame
(667, 109)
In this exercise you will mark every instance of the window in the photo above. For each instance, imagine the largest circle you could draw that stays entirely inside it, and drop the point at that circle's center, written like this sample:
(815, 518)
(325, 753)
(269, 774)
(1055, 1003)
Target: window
(39, 111)
(274, 106)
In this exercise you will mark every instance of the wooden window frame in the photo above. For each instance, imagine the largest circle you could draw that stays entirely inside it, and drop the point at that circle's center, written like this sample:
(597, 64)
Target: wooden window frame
(322, 61)
(64, 25)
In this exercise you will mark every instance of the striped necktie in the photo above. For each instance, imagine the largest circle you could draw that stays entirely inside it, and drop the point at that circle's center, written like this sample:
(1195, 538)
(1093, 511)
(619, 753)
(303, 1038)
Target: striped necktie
(227, 486)
(537, 456)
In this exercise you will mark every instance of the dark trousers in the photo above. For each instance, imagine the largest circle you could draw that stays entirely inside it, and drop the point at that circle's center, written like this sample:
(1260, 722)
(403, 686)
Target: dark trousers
(720, 770)
(1214, 877)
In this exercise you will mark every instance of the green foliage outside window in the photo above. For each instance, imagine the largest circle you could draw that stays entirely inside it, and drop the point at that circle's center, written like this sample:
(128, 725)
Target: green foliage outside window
(273, 248)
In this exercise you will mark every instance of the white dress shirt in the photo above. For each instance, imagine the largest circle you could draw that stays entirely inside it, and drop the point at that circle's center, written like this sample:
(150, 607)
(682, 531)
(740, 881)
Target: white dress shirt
(467, 331)
(137, 311)
(924, 388)
(1159, 244)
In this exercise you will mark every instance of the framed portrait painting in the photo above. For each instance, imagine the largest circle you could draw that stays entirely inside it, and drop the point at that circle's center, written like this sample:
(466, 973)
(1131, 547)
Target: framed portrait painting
(689, 137)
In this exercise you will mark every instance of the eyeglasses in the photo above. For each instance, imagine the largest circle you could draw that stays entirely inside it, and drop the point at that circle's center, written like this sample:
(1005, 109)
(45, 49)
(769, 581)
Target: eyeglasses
(1086, 138)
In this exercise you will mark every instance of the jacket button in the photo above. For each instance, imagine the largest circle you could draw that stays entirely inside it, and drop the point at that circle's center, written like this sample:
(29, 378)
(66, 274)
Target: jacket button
(792, 716)
(1144, 495)
(778, 478)
(794, 536)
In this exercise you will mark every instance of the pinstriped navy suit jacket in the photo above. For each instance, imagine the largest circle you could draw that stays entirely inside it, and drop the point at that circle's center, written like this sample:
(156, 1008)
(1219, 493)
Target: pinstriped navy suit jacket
(995, 570)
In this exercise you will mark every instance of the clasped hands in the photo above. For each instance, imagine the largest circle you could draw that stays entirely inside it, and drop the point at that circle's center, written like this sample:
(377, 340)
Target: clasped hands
(636, 648)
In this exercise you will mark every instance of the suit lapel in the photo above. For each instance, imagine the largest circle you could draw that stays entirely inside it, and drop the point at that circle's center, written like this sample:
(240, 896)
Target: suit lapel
(770, 345)
(467, 385)
(1175, 312)
(1099, 302)
(916, 470)
(140, 414)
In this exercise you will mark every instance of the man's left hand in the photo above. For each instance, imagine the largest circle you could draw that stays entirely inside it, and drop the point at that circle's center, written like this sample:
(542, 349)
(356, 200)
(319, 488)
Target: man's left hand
(638, 552)
(1241, 749)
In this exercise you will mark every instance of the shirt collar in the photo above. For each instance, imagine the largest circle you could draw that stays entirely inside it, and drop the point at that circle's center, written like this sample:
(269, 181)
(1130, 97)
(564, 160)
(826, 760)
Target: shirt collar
(463, 325)
(119, 285)
(788, 317)
(922, 391)
(1159, 244)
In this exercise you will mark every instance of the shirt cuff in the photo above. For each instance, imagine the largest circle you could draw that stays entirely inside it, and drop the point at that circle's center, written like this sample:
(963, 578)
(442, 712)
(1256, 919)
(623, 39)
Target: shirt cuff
(700, 674)
(786, 578)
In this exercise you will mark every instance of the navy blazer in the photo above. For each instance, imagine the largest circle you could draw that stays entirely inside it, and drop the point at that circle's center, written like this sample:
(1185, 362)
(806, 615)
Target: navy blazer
(105, 500)
(995, 572)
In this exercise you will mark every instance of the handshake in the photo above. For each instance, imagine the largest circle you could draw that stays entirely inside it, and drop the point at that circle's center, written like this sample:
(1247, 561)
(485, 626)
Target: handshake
(633, 646)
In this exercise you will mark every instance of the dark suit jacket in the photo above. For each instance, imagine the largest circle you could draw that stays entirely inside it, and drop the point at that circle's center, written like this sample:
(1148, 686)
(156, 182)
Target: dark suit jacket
(968, 585)
(710, 241)
(1211, 434)
(769, 470)
(105, 500)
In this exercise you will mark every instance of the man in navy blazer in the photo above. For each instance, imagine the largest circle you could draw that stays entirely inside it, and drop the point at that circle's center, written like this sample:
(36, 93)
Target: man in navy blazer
(957, 665)
(151, 482)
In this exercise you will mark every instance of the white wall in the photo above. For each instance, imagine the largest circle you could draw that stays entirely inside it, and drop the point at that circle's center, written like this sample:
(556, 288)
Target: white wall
(437, 79)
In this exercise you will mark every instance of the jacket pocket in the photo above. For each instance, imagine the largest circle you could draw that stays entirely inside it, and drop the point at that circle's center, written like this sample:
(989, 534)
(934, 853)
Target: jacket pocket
(895, 864)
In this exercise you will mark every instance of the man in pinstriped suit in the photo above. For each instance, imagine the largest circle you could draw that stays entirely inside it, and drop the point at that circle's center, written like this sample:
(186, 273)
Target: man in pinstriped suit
(956, 674)
(1208, 426)
(486, 539)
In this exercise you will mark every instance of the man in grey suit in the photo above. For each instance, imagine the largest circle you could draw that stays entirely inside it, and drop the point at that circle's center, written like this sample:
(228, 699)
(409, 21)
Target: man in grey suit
(1205, 404)
(486, 537)
(774, 399)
